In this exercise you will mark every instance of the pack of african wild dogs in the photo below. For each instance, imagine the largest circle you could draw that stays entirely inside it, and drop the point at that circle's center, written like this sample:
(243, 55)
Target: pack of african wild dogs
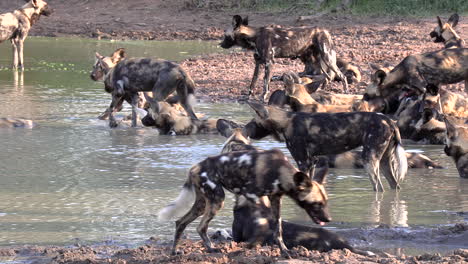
(321, 130)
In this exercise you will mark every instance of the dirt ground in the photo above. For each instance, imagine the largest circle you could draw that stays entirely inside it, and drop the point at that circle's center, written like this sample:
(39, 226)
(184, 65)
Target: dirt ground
(221, 77)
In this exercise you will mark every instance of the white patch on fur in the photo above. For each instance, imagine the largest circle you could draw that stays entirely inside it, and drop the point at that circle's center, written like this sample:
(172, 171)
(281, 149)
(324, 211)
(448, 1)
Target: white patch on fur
(179, 207)
(224, 159)
(253, 197)
(211, 184)
(402, 163)
(236, 190)
(276, 185)
(204, 174)
(262, 221)
(245, 158)
(141, 112)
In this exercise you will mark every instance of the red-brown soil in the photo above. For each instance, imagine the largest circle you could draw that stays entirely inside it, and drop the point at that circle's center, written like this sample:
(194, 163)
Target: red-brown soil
(360, 40)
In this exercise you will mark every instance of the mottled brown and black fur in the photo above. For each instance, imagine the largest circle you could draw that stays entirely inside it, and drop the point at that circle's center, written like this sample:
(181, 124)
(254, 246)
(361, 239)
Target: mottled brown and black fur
(7, 122)
(417, 71)
(253, 174)
(353, 159)
(310, 135)
(125, 77)
(445, 33)
(312, 45)
(15, 26)
(457, 147)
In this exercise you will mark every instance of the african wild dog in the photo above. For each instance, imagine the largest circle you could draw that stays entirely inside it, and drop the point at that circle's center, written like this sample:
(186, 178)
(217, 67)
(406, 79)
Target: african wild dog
(457, 147)
(15, 26)
(445, 33)
(310, 135)
(6, 122)
(254, 223)
(312, 45)
(353, 159)
(253, 174)
(125, 77)
(417, 71)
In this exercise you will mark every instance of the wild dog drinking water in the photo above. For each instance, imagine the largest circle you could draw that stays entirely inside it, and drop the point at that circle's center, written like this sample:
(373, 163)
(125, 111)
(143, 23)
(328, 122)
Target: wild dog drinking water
(417, 71)
(15, 26)
(445, 33)
(310, 135)
(313, 46)
(457, 147)
(252, 174)
(125, 77)
(7, 122)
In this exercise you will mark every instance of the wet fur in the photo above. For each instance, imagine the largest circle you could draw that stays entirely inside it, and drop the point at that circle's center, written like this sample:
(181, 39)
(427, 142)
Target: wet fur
(125, 77)
(310, 135)
(253, 174)
(457, 147)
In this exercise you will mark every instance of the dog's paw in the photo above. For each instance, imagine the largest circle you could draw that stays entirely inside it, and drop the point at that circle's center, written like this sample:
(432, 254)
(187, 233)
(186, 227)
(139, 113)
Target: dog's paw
(213, 250)
(113, 124)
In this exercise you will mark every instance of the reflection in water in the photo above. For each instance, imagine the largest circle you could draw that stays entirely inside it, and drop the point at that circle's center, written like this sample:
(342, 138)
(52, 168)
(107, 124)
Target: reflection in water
(18, 78)
(389, 209)
(74, 178)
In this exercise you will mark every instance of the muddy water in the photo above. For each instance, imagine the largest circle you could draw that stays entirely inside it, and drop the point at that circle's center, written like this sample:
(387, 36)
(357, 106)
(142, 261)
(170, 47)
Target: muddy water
(72, 179)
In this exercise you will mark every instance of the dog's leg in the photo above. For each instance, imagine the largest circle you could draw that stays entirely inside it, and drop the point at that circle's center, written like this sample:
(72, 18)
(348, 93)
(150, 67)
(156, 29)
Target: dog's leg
(254, 78)
(266, 80)
(276, 211)
(134, 102)
(371, 160)
(14, 45)
(20, 55)
(115, 102)
(196, 210)
(117, 108)
(213, 205)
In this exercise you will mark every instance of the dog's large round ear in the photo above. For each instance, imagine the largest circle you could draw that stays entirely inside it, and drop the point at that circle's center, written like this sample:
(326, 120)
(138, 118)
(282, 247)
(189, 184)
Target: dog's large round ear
(259, 109)
(319, 170)
(236, 21)
(302, 181)
(439, 22)
(380, 76)
(118, 55)
(225, 127)
(432, 89)
(451, 129)
(99, 56)
(34, 3)
(453, 20)
(245, 21)
(428, 114)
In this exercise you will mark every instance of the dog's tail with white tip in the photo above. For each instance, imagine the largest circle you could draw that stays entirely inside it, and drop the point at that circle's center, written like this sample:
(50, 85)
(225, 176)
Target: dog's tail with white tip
(181, 205)
(394, 163)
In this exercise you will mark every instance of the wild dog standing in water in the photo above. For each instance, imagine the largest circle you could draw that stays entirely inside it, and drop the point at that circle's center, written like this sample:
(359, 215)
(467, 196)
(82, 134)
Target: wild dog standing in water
(310, 135)
(445, 33)
(457, 147)
(124, 78)
(252, 174)
(313, 46)
(15, 26)
(254, 223)
(445, 66)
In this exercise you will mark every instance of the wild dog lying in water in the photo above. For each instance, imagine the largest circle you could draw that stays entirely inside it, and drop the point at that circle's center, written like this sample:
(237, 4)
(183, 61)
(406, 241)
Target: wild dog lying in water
(353, 159)
(310, 135)
(313, 46)
(252, 174)
(417, 71)
(6, 122)
(457, 147)
(124, 78)
(446, 34)
(173, 120)
(15, 26)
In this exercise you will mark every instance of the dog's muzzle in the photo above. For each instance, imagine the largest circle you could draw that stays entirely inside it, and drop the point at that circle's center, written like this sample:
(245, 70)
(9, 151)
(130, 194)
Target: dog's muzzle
(46, 11)
(227, 43)
(438, 38)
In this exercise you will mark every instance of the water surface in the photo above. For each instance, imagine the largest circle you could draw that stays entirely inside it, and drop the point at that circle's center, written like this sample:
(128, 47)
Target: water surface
(73, 179)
